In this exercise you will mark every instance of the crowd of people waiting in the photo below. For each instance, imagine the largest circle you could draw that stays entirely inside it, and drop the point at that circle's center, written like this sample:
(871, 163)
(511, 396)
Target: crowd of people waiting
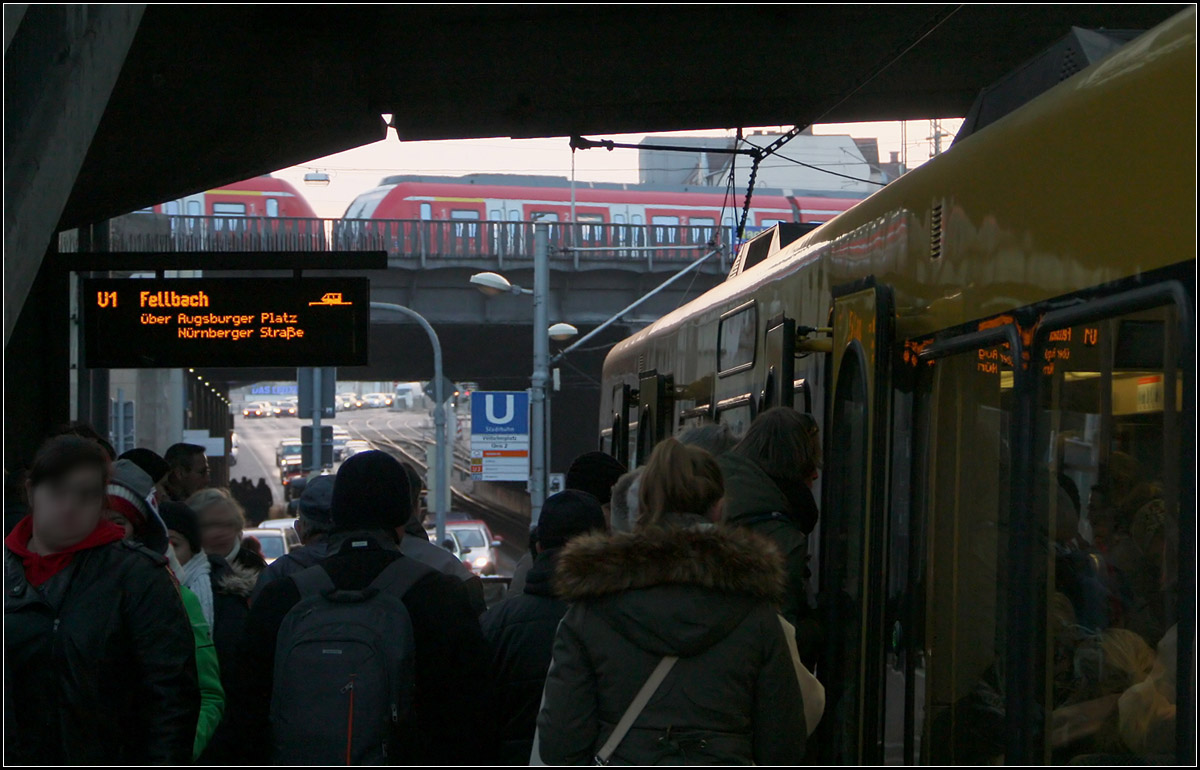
(660, 617)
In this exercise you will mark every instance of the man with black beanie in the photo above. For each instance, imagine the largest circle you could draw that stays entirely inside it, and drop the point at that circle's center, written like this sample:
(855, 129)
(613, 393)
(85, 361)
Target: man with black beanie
(520, 630)
(591, 472)
(149, 461)
(370, 506)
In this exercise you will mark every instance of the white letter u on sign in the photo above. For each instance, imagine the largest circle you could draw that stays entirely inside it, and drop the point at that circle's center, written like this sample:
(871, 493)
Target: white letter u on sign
(490, 410)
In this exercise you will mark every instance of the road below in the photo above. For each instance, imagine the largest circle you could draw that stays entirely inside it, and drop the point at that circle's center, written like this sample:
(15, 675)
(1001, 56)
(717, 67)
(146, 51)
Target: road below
(402, 434)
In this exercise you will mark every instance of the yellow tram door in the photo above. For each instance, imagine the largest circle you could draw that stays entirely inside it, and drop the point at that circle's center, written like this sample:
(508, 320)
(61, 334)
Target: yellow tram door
(854, 488)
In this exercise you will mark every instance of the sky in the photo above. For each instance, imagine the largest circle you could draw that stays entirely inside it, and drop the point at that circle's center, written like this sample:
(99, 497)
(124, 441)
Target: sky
(355, 171)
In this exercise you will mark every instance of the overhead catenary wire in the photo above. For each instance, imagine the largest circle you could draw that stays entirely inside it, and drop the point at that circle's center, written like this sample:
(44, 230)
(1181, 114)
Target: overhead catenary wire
(823, 170)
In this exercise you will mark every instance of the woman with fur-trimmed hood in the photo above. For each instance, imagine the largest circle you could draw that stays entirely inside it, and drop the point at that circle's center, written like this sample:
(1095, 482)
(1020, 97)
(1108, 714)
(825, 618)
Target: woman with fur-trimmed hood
(678, 585)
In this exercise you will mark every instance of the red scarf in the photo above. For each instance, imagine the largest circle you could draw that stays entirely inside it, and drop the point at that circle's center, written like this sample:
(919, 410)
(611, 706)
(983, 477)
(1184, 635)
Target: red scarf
(38, 568)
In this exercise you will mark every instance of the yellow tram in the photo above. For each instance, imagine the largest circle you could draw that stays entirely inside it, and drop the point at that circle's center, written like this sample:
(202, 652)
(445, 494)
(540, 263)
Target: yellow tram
(1000, 349)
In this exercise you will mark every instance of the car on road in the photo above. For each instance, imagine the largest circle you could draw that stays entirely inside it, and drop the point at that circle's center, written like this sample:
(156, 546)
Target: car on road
(354, 446)
(340, 438)
(450, 544)
(477, 543)
(283, 524)
(289, 454)
(284, 409)
(257, 409)
(274, 542)
(377, 400)
(348, 401)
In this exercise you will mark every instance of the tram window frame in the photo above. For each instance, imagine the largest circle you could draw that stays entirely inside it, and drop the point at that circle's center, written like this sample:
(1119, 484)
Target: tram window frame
(1173, 362)
(738, 350)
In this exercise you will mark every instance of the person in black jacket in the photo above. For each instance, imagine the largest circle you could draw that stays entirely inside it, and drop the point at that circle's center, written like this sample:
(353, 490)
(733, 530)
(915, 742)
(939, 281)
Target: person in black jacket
(99, 654)
(520, 629)
(453, 705)
(593, 472)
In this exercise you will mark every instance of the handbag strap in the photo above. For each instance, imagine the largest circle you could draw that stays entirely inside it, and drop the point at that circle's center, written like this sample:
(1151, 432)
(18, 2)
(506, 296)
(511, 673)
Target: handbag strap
(635, 709)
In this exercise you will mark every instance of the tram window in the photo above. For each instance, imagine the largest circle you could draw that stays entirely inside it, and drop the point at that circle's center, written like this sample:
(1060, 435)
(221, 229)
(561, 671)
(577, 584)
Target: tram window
(229, 209)
(1107, 443)
(738, 334)
(967, 478)
(272, 207)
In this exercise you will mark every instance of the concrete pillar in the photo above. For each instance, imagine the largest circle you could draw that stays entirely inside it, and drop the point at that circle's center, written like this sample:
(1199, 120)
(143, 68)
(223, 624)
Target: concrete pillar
(61, 63)
(37, 392)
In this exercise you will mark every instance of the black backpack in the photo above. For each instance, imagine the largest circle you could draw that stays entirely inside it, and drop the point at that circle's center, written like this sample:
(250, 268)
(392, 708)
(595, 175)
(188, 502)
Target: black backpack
(344, 669)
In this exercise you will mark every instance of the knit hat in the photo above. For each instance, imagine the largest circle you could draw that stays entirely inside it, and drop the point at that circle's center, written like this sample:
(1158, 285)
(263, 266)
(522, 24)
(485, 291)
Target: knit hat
(182, 519)
(566, 515)
(371, 492)
(149, 461)
(316, 502)
(595, 473)
(131, 493)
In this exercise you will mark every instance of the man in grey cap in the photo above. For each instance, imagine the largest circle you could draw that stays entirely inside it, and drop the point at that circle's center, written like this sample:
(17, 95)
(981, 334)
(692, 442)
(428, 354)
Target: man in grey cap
(313, 525)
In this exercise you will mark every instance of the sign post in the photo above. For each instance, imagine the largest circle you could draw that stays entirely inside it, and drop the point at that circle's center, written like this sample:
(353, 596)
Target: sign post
(308, 446)
(500, 436)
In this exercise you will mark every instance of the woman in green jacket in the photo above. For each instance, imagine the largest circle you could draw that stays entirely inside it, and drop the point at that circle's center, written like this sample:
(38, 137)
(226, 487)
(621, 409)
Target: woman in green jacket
(212, 695)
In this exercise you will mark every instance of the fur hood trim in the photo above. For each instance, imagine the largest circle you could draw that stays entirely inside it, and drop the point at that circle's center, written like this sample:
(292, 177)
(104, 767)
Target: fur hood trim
(722, 559)
(239, 580)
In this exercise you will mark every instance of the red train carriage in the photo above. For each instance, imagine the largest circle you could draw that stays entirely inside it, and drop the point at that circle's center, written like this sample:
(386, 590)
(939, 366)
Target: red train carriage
(262, 196)
(491, 212)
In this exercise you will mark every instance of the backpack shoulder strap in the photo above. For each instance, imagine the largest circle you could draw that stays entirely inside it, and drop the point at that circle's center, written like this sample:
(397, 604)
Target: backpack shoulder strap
(313, 581)
(401, 575)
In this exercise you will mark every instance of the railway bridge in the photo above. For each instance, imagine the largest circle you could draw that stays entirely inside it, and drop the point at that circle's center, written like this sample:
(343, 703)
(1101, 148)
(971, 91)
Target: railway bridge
(596, 270)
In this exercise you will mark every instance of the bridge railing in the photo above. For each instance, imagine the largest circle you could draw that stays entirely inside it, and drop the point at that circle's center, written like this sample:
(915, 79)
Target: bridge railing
(434, 239)
(428, 240)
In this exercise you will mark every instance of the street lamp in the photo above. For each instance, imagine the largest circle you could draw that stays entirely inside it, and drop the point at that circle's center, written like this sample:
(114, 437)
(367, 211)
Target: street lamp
(494, 284)
(560, 332)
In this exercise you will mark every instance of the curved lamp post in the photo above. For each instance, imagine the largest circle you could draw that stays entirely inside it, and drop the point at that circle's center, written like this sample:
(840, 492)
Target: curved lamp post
(442, 441)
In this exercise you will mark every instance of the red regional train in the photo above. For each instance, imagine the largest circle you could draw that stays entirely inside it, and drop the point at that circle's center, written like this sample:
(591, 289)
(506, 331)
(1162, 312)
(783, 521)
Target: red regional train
(517, 198)
(262, 196)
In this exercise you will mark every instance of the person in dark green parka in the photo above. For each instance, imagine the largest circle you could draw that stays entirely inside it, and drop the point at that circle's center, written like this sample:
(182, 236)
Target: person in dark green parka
(768, 490)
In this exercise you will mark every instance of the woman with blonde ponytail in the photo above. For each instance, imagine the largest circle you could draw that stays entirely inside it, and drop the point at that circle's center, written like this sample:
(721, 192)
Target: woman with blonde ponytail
(681, 486)
(683, 595)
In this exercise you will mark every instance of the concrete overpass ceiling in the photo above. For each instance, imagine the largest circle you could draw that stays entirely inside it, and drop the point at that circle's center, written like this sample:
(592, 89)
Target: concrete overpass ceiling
(214, 94)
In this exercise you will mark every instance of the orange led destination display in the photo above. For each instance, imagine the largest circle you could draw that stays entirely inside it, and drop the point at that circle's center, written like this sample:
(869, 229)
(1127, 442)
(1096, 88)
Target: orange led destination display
(225, 322)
